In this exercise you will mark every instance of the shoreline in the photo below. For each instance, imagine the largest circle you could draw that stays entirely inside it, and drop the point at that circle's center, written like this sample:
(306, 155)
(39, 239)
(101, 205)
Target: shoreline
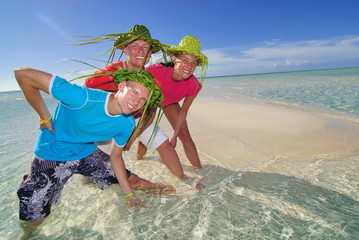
(290, 106)
(238, 134)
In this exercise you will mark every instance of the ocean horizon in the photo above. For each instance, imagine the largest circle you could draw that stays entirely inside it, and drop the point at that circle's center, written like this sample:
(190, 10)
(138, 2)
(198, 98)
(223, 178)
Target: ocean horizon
(249, 74)
(289, 71)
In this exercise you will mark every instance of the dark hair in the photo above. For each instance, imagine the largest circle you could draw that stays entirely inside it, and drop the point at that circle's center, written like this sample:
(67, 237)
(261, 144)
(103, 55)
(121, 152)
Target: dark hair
(171, 63)
(168, 64)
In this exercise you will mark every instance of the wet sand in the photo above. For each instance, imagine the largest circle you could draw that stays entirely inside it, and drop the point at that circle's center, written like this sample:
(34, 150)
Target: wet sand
(238, 134)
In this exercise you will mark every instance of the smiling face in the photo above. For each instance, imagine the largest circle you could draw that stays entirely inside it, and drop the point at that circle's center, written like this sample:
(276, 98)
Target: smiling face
(131, 97)
(135, 52)
(184, 67)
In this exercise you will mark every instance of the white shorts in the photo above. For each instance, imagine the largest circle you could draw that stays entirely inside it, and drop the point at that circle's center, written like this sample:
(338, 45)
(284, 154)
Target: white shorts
(157, 139)
(159, 136)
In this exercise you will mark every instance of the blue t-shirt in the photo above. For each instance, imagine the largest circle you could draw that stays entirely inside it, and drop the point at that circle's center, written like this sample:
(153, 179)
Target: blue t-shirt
(80, 119)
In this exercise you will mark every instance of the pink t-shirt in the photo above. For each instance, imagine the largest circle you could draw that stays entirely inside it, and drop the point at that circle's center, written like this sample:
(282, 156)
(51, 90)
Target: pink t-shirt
(173, 91)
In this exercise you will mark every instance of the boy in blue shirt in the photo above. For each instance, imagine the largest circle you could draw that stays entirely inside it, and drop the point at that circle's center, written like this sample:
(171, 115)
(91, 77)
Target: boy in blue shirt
(65, 144)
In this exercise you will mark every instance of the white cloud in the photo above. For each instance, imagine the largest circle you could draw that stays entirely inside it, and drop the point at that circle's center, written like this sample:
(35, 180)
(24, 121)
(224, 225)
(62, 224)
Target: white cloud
(274, 55)
(218, 56)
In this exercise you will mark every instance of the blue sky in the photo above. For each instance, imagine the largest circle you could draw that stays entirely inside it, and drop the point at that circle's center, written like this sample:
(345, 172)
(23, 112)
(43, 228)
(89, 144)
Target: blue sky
(238, 36)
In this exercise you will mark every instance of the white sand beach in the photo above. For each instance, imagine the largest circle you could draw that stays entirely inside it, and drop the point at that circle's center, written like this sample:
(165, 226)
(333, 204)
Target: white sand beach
(245, 136)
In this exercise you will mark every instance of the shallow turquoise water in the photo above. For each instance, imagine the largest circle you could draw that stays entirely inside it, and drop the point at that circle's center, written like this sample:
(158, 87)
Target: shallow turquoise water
(316, 198)
(334, 91)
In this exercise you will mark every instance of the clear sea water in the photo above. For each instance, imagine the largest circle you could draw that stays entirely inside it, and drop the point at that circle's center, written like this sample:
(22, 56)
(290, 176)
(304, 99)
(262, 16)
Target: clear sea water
(334, 92)
(319, 203)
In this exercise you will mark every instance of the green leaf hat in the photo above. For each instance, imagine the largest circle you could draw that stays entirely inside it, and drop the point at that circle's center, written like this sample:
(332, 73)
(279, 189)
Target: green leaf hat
(143, 77)
(189, 45)
(137, 32)
(155, 98)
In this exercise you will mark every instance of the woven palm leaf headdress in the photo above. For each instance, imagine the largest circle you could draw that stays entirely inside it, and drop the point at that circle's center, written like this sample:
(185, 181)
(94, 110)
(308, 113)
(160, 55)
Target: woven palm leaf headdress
(121, 40)
(192, 46)
(142, 77)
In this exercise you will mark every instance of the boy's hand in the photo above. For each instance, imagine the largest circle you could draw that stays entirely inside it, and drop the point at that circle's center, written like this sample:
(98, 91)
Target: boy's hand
(134, 201)
(48, 126)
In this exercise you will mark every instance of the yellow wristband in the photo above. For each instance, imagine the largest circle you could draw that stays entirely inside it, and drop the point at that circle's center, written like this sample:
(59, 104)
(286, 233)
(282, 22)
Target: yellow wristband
(128, 195)
(45, 120)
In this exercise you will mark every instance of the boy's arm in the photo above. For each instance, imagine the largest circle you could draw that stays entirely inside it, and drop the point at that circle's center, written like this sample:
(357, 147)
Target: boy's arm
(118, 166)
(30, 82)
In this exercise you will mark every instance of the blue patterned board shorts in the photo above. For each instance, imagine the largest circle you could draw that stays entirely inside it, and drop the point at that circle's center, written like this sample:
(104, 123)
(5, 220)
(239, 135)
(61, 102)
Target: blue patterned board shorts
(42, 187)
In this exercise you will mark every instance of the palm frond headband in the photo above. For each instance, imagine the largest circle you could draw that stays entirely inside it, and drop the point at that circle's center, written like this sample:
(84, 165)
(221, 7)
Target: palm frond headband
(121, 40)
(142, 77)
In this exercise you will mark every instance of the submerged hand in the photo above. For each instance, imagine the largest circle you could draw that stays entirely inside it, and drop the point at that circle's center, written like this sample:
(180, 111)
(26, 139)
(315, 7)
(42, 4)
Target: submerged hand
(134, 201)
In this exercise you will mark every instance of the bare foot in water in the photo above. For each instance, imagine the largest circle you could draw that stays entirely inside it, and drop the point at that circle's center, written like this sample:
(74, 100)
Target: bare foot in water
(158, 188)
(138, 183)
(199, 186)
(85, 180)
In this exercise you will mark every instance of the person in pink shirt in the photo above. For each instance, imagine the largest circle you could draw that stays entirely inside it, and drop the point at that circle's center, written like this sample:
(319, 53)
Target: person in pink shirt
(177, 83)
(138, 45)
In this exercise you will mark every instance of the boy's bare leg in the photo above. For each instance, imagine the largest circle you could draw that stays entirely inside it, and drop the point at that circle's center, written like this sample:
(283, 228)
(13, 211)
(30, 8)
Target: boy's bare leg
(28, 227)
